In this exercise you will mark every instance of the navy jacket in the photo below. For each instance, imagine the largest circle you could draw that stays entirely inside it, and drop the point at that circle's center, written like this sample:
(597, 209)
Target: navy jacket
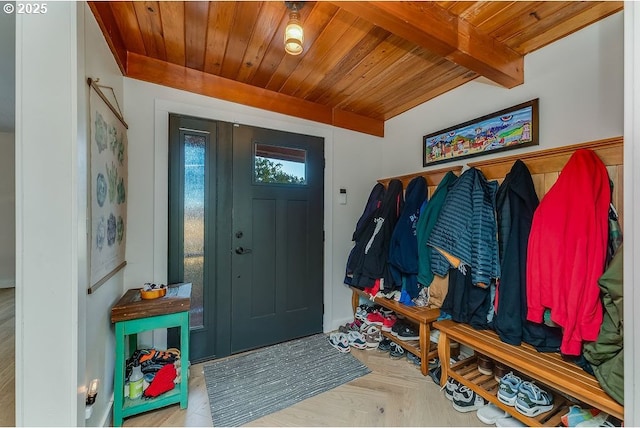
(403, 250)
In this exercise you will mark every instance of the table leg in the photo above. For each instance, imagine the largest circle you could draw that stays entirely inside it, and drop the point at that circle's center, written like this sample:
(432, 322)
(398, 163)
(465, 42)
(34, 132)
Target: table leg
(184, 356)
(118, 384)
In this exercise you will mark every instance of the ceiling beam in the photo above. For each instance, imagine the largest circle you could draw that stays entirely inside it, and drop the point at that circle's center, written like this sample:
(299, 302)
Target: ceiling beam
(176, 76)
(437, 30)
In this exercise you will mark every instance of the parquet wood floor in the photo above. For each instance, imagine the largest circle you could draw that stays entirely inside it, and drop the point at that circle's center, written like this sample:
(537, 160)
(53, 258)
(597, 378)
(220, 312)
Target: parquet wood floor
(393, 394)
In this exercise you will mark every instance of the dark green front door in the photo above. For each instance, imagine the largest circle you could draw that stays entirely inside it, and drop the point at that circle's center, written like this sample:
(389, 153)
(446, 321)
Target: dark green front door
(245, 228)
(277, 237)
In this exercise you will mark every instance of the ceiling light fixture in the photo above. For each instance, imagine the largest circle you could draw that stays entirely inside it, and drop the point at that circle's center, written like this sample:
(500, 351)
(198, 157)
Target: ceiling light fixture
(293, 33)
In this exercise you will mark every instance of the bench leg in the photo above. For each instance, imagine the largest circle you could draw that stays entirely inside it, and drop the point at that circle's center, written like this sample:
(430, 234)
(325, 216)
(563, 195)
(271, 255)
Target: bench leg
(444, 353)
(425, 344)
(355, 302)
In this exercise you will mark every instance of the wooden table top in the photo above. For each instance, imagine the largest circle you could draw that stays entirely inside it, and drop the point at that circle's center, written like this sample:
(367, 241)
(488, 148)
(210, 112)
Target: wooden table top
(131, 306)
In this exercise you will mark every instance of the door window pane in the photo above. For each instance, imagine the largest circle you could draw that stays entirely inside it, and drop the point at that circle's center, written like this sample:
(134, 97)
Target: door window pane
(279, 165)
(194, 193)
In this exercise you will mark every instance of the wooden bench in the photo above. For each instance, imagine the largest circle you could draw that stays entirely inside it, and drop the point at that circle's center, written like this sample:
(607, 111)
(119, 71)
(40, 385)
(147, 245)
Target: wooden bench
(421, 316)
(567, 380)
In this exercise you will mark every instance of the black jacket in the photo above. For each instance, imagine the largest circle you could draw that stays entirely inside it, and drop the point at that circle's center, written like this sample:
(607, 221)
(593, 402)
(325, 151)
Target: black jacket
(516, 201)
(373, 204)
(372, 247)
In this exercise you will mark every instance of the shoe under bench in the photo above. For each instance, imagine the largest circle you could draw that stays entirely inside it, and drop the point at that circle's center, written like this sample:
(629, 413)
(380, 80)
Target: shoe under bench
(421, 316)
(565, 380)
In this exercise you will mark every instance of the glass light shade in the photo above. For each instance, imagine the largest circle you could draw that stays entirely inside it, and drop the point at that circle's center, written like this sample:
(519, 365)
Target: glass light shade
(293, 37)
(92, 392)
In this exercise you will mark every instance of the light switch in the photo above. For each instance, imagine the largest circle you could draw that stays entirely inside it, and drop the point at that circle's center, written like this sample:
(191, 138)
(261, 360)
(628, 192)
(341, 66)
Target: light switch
(342, 197)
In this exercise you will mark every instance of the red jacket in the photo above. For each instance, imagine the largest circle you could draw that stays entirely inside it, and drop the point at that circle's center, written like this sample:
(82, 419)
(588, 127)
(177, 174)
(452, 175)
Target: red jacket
(567, 251)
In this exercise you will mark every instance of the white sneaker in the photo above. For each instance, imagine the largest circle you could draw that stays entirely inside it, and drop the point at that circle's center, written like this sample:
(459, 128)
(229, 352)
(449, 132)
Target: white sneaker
(466, 400)
(490, 413)
(509, 422)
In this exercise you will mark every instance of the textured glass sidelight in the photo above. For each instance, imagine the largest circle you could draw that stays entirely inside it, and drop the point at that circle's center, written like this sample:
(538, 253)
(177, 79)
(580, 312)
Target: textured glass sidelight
(279, 165)
(194, 194)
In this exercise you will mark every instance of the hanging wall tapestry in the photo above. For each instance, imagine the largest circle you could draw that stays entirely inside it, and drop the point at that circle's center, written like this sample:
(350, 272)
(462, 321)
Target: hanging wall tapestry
(506, 129)
(108, 192)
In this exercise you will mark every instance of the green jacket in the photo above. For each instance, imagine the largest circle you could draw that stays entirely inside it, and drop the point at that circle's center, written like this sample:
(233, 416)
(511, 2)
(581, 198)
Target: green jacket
(606, 353)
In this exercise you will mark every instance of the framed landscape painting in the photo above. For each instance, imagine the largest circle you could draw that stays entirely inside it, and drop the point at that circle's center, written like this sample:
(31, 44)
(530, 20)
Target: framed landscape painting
(511, 128)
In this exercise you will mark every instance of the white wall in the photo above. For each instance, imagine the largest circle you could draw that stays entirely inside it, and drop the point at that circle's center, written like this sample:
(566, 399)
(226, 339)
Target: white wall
(47, 298)
(7, 210)
(352, 161)
(53, 310)
(580, 100)
(631, 208)
(578, 79)
(99, 332)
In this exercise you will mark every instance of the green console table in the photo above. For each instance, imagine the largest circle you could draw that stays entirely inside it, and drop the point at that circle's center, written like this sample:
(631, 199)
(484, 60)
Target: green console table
(133, 315)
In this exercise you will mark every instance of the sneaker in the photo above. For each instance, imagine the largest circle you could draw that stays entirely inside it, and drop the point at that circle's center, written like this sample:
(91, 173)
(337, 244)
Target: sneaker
(350, 326)
(385, 311)
(340, 342)
(450, 387)
(466, 400)
(408, 333)
(433, 363)
(414, 359)
(508, 389)
(435, 375)
(532, 400)
(509, 422)
(396, 352)
(575, 415)
(423, 297)
(356, 340)
(384, 345)
(397, 327)
(599, 420)
(375, 318)
(388, 322)
(372, 336)
(362, 312)
(490, 413)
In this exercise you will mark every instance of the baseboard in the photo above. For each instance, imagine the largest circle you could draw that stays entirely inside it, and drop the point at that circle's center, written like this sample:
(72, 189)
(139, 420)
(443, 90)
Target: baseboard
(107, 418)
(337, 323)
(7, 283)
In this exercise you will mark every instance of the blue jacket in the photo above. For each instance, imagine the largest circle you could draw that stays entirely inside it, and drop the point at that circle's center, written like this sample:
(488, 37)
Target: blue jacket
(466, 229)
(403, 250)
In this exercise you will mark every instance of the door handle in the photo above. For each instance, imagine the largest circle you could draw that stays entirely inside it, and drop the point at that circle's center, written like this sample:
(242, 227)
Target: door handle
(242, 250)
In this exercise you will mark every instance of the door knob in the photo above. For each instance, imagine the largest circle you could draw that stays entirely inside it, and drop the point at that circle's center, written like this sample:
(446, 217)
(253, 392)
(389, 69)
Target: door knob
(242, 250)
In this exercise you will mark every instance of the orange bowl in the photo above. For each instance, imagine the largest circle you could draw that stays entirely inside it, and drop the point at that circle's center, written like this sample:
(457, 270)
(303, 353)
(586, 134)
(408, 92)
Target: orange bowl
(153, 294)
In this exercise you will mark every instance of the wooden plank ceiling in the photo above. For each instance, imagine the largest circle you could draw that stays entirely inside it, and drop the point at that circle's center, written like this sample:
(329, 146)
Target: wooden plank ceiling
(363, 62)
